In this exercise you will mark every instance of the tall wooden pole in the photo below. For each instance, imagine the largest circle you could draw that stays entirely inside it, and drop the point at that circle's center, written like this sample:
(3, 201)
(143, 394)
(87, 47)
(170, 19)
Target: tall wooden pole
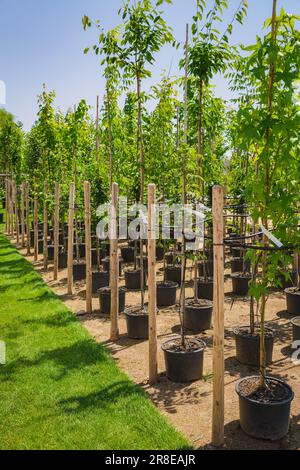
(15, 197)
(11, 209)
(152, 285)
(27, 220)
(71, 237)
(56, 232)
(114, 264)
(35, 220)
(88, 253)
(218, 336)
(97, 131)
(22, 213)
(45, 227)
(6, 206)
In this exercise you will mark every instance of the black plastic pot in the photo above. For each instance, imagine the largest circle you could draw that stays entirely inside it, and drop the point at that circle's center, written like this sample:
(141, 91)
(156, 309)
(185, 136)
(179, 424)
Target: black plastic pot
(248, 346)
(106, 263)
(268, 421)
(133, 279)
(240, 283)
(99, 280)
(173, 273)
(51, 251)
(159, 253)
(197, 317)
(1, 218)
(209, 268)
(40, 247)
(169, 257)
(205, 289)
(184, 366)
(104, 300)
(127, 253)
(137, 324)
(79, 271)
(293, 301)
(62, 260)
(166, 293)
(237, 265)
(296, 329)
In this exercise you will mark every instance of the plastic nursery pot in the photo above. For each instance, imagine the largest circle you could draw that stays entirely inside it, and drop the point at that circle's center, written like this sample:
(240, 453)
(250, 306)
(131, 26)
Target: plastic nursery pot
(1, 218)
(237, 265)
(169, 257)
(296, 328)
(51, 251)
(198, 315)
(209, 268)
(137, 323)
(79, 271)
(184, 365)
(166, 293)
(173, 273)
(99, 279)
(62, 260)
(104, 300)
(263, 414)
(205, 288)
(133, 279)
(127, 253)
(106, 263)
(159, 253)
(248, 345)
(40, 246)
(293, 301)
(240, 283)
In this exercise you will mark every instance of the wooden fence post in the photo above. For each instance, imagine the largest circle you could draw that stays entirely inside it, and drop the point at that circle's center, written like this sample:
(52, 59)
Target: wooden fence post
(88, 253)
(45, 227)
(218, 336)
(71, 237)
(152, 285)
(114, 265)
(56, 231)
(27, 219)
(22, 213)
(15, 192)
(6, 207)
(35, 220)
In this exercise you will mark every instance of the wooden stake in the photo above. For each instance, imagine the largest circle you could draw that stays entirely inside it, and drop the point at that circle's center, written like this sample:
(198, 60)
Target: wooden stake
(15, 198)
(218, 337)
(88, 253)
(6, 207)
(56, 232)
(22, 213)
(71, 238)
(27, 220)
(45, 227)
(152, 285)
(114, 265)
(35, 221)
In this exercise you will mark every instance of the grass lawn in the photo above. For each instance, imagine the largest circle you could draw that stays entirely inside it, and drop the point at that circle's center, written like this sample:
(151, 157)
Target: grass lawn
(60, 389)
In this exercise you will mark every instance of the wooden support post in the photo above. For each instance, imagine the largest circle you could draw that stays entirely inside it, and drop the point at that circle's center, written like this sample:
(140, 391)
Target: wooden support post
(11, 210)
(152, 285)
(22, 213)
(6, 207)
(114, 265)
(45, 227)
(56, 231)
(15, 192)
(218, 336)
(71, 238)
(35, 221)
(88, 253)
(27, 219)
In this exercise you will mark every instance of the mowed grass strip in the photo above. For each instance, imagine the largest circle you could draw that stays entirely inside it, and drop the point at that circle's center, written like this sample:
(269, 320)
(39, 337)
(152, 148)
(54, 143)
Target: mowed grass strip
(59, 389)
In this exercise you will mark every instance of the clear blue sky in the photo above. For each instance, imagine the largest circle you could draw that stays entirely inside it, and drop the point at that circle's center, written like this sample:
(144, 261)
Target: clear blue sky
(43, 41)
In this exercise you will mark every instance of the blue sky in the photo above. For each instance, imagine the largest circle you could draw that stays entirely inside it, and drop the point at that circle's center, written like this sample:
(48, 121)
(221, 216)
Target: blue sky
(43, 41)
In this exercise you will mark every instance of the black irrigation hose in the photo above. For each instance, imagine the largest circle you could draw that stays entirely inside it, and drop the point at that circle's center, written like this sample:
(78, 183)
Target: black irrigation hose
(261, 248)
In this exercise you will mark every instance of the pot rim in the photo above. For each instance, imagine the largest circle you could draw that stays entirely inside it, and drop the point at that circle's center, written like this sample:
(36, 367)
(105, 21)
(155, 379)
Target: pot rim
(200, 307)
(240, 276)
(121, 289)
(288, 291)
(167, 284)
(128, 313)
(274, 379)
(236, 328)
(296, 320)
(200, 341)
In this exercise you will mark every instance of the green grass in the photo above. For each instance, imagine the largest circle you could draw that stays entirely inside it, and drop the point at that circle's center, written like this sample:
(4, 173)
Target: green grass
(60, 389)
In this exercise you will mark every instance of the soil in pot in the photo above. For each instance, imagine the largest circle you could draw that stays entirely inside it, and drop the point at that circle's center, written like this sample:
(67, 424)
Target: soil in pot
(184, 364)
(198, 314)
(173, 273)
(79, 271)
(104, 300)
(293, 301)
(205, 288)
(137, 322)
(240, 283)
(133, 279)
(127, 253)
(99, 279)
(296, 329)
(237, 265)
(248, 345)
(166, 293)
(209, 268)
(106, 263)
(264, 412)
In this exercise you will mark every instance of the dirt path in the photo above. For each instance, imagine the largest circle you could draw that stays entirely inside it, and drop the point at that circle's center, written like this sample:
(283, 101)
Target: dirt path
(189, 406)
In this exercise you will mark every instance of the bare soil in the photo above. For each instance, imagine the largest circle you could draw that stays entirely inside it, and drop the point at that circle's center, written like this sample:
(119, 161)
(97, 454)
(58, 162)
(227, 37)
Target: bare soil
(189, 406)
